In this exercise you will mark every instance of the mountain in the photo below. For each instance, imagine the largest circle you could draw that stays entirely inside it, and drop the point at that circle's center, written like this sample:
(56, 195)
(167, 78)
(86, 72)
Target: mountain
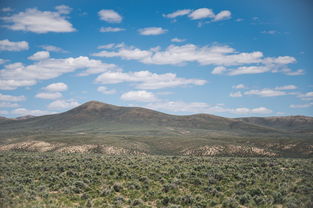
(287, 123)
(24, 117)
(96, 126)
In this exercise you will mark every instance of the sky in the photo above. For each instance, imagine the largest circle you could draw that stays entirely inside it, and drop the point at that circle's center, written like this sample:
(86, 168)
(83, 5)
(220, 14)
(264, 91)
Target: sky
(228, 58)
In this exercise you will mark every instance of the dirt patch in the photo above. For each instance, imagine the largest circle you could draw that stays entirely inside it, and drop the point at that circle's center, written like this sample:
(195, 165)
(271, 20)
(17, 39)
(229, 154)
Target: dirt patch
(41, 146)
(228, 150)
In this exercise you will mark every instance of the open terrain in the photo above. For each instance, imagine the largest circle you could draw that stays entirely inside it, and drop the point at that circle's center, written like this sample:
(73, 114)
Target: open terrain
(97, 127)
(97, 180)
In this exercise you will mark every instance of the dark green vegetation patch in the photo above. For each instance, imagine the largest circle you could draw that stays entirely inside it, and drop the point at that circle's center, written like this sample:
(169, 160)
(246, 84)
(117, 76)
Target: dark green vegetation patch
(95, 180)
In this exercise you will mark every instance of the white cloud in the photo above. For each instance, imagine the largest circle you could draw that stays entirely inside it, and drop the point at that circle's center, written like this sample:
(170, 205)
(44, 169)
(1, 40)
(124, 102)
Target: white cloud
(140, 96)
(286, 87)
(152, 31)
(306, 96)
(269, 32)
(63, 9)
(6, 45)
(248, 70)
(7, 9)
(17, 75)
(110, 16)
(56, 87)
(236, 94)
(217, 55)
(106, 46)
(24, 112)
(40, 55)
(207, 55)
(105, 90)
(49, 95)
(111, 29)
(63, 104)
(218, 70)
(202, 13)
(8, 105)
(178, 40)
(266, 93)
(223, 15)
(53, 48)
(178, 13)
(147, 80)
(200, 107)
(37, 21)
(2, 61)
(307, 105)
(11, 98)
(294, 73)
(239, 86)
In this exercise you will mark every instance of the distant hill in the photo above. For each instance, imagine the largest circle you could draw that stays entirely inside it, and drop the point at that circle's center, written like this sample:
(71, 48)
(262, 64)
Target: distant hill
(25, 117)
(287, 123)
(141, 130)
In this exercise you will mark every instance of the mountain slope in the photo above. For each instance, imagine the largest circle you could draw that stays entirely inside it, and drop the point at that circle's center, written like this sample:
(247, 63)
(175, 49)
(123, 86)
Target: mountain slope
(286, 123)
(100, 127)
(101, 115)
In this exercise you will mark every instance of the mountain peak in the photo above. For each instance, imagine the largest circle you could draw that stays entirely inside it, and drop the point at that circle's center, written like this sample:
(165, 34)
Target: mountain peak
(93, 106)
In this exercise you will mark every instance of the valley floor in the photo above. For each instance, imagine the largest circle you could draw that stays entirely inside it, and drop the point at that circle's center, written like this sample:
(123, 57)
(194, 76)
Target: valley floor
(95, 180)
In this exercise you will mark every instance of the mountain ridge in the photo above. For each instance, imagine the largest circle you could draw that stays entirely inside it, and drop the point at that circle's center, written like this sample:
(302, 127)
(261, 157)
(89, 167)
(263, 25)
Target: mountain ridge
(136, 129)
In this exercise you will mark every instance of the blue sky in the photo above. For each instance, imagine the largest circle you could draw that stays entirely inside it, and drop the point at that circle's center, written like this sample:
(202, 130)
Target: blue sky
(228, 58)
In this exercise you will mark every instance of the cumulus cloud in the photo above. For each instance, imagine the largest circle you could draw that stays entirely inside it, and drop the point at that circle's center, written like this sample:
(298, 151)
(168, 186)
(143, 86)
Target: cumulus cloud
(56, 87)
(306, 96)
(6, 45)
(40, 55)
(223, 15)
(239, 86)
(11, 98)
(17, 75)
(207, 55)
(147, 80)
(63, 9)
(269, 32)
(177, 13)
(266, 93)
(110, 16)
(37, 21)
(218, 70)
(63, 104)
(306, 105)
(24, 112)
(286, 87)
(152, 31)
(2, 61)
(236, 94)
(7, 9)
(49, 95)
(140, 96)
(202, 13)
(8, 105)
(105, 90)
(111, 29)
(53, 48)
(201, 107)
(178, 40)
(225, 59)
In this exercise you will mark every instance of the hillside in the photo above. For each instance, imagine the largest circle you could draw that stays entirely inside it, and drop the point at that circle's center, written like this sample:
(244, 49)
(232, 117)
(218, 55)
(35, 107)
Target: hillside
(96, 126)
(286, 123)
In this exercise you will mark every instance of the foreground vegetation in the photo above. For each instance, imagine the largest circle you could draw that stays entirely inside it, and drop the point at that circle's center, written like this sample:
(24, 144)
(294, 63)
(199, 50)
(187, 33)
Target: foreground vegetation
(96, 180)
